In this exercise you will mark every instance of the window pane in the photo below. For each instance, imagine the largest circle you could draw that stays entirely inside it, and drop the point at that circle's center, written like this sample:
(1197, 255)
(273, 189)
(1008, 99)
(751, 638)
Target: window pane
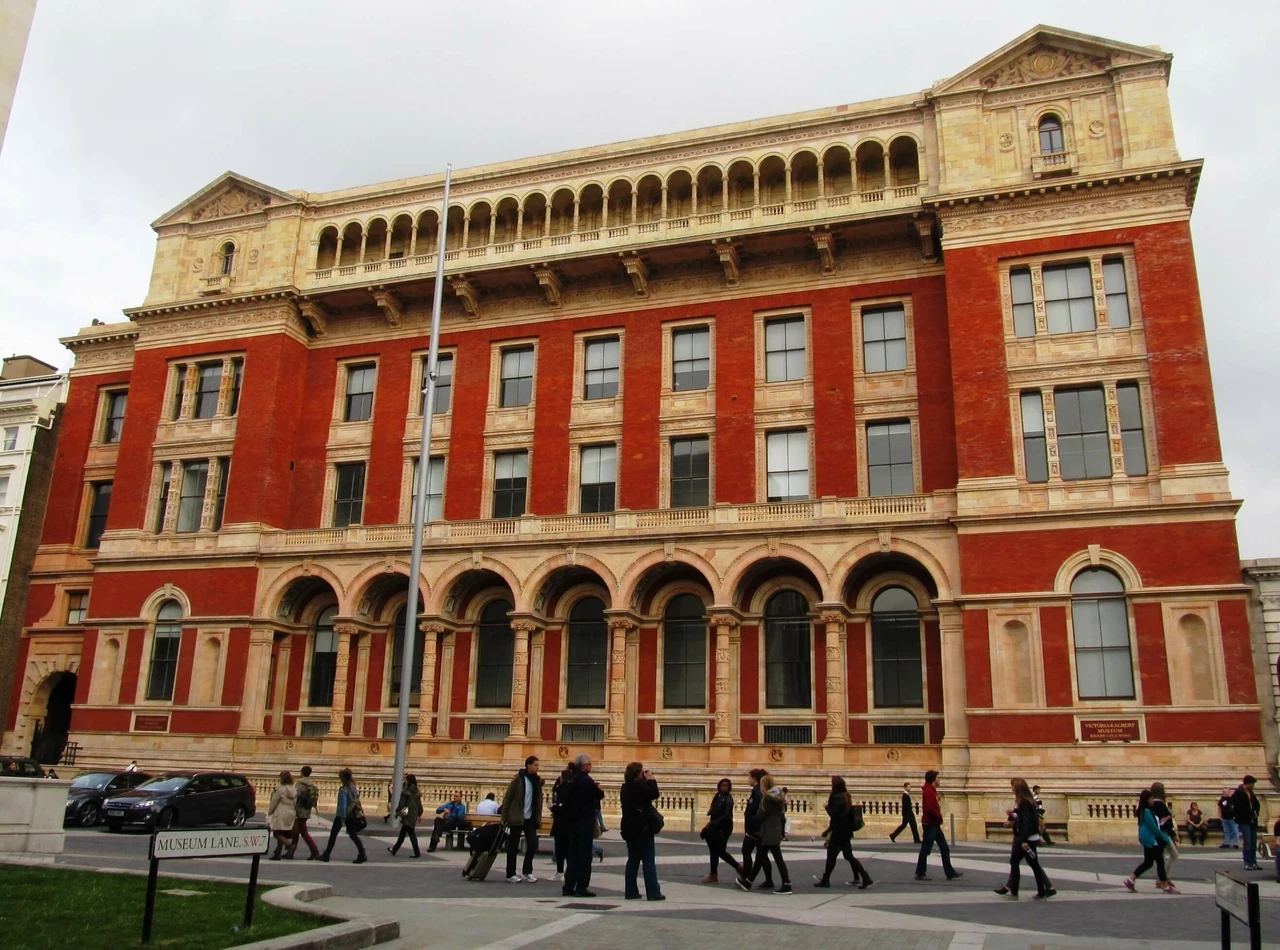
(1089, 674)
(1113, 619)
(1067, 403)
(1024, 320)
(195, 478)
(360, 384)
(775, 367)
(208, 382)
(874, 358)
(1020, 285)
(1130, 406)
(1055, 283)
(1135, 453)
(1117, 672)
(873, 325)
(895, 354)
(1079, 282)
(1058, 316)
(348, 499)
(444, 384)
(1087, 622)
(1032, 414)
(690, 468)
(114, 423)
(1096, 580)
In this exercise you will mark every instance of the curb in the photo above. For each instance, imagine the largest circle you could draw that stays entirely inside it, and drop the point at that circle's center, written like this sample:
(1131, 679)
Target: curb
(354, 932)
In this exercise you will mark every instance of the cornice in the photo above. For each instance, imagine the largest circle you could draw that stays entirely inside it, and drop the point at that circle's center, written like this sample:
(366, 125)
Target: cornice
(1061, 190)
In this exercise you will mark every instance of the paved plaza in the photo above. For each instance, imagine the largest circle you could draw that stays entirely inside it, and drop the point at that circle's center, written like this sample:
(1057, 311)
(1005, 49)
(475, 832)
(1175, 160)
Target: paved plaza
(439, 909)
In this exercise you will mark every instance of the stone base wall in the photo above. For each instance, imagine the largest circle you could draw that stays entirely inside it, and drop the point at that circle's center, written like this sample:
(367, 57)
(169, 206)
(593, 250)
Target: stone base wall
(31, 813)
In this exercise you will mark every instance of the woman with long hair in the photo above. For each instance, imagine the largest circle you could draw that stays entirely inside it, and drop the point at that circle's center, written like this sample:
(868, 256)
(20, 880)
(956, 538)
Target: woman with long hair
(1026, 837)
(559, 826)
(639, 792)
(408, 810)
(840, 837)
(1153, 842)
(1160, 808)
(718, 829)
(773, 806)
(282, 812)
(349, 815)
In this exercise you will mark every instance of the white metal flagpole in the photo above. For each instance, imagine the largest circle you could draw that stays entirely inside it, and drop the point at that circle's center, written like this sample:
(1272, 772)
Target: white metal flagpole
(419, 507)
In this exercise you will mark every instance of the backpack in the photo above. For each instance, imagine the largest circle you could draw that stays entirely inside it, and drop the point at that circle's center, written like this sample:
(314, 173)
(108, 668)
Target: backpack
(307, 796)
(355, 816)
(855, 818)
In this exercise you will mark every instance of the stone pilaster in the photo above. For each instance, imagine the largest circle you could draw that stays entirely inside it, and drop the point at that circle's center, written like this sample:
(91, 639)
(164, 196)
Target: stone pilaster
(257, 675)
(619, 627)
(431, 631)
(833, 619)
(523, 629)
(338, 713)
(955, 740)
(725, 627)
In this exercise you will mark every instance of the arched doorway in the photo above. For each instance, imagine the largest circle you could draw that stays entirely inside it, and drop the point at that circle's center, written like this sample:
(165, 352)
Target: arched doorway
(49, 737)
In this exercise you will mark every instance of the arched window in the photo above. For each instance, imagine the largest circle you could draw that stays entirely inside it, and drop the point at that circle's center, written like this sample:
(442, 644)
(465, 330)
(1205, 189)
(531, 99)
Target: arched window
(895, 648)
(1100, 620)
(228, 255)
(495, 649)
(1052, 141)
(684, 653)
(397, 663)
(787, 651)
(324, 658)
(164, 651)
(588, 673)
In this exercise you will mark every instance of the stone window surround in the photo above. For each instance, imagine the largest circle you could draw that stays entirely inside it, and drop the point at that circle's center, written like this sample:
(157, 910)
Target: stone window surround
(862, 617)
(579, 404)
(585, 439)
(334, 458)
(864, 382)
(1094, 257)
(100, 414)
(472, 625)
(494, 446)
(189, 629)
(417, 379)
(682, 715)
(695, 401)
(187, 382)
(203, 635)
(91, 478)
(496, 349)
(581, 715)
(101, 692)
(791, 393)
(344, 366)
(691, 429)
(211, 488)
(882, 415)
(786, 715)
(305, 710)
(439, 449)
(763, 431)
(1071, 567)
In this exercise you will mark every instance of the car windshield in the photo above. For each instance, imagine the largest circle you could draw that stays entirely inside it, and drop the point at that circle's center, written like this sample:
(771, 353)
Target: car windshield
(92, 780)
(170, 784)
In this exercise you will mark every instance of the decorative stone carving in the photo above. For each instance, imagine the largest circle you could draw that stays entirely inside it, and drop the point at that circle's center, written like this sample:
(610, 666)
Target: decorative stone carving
(825, 245)
(1006, 142)
(833, 721)
(729, 260)
(831, 617)
(1044, 63)
(468, 294)
(234, 200)
(1058, 212)
(724, 620)
(638, 273)
(1096, 128)
(550, 284)
(390, 305)
(315, 314)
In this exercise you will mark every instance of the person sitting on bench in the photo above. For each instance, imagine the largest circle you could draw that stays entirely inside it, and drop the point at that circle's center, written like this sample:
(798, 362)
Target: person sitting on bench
(1197, 827)
(451, 816)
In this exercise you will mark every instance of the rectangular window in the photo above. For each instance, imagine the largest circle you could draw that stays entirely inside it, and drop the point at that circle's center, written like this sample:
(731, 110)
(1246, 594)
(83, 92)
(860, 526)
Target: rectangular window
(10, 442)
(895, 652)
(788, 465)
(1117, 288)
(517, 377)
(495, 652)
(360, 383)
(164, 660)
(1034, 453)
(898, 735)
(1024, 308)
(195, 479)
(435, 488)
(510, 479)
(690, 472)
(4, 489)
(1135, 446)
(582, 732)
(179, 389)
(586, 682)
(324, 665)
(1068, 298)
(77, 606)
(99, 505)
(788, 735)
(1082, 433)
(208, 384)
(784, 350)
(487, 731)
(224, 475)
(884, 339)
(166, 480)
(786, 647)
(114, 422)
(684, 669)
(675, 734)
(690, 359)
(443, 399)
(348, 498)
(313, 728)
(601, 380)
(889, 459)
(237, 380)
(598, 478)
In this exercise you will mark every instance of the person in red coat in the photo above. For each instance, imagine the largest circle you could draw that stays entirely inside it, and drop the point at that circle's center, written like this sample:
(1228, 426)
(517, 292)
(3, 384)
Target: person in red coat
(931, 818)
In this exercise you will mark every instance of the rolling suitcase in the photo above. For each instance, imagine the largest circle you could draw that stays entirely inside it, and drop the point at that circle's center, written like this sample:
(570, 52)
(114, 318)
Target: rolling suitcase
(488, 844)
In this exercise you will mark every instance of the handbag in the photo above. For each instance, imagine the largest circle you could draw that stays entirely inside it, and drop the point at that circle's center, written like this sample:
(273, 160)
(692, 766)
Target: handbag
(653, 820)
(855, 818)
(355, 816)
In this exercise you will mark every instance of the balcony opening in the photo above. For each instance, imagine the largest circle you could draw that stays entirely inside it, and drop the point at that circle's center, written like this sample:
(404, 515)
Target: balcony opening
(804, 176)
(904, 161)
(375, 244)
(349, 253)
(534, 225)
(506, 215)
(679, 195)
(620, 204)
(327, 248)
(428, 232)
(710, 190)
(401, 235)
(453, 224)
(837, 171)
(1052, 139)
(649, 200)
(561, 212)
(773, 181)
(590, 208)
(227, 258)
(478, 224)
(742, 191)
(870, 157)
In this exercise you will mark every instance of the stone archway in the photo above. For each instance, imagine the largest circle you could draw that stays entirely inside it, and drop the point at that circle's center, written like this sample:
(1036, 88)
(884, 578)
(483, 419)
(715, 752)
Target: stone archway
(51, 717)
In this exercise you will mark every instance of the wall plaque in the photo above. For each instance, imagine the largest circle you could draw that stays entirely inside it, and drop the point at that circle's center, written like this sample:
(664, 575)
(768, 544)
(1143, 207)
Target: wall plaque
(150, 723)
(1110, 730)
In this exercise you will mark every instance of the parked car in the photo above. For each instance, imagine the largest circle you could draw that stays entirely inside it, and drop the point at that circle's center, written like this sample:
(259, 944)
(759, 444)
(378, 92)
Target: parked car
(19, 766)
(89, 791)
(183, 798)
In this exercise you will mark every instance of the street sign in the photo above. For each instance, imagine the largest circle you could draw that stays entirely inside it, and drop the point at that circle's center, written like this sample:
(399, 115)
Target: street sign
(222, 842)
(1238, 898)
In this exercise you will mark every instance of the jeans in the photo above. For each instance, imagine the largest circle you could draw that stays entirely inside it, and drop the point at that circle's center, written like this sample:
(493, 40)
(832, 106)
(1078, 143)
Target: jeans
(577, 872)
(1249, 845)
(1016, 857)
(640, 851)
(338, 825)
(932, 834)
(1230, 833)
(529, 831)
(1193, 833)
(750, 844)
(406, 831)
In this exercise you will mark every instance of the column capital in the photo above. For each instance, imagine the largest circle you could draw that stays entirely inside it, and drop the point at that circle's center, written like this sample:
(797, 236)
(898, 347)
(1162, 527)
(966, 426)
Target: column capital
(346, 629)
(622, 621)
(432, 627)
(837, 614)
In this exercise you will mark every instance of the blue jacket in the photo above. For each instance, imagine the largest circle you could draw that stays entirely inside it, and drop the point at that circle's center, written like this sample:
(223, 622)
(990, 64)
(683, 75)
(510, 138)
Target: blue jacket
(455, 810)
(345, 800)
(1149, 833)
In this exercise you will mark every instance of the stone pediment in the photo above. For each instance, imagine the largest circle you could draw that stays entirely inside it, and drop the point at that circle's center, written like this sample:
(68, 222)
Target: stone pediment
(1047, 53)
(227, 196)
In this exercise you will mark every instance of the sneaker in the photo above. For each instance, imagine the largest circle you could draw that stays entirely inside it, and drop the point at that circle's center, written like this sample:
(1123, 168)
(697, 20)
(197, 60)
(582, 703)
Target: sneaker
(866, 882)
(532, 879)
(1128, 882)
(1046, 895)
(784, 891)
(819, 882)
(559, 876)
(361, 860)
(742, 884)
(1169, 889)
(515, 879)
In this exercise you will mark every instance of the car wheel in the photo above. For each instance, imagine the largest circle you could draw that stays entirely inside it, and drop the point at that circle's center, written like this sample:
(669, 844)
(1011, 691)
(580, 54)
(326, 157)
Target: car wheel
(239, 815)
(167, 818)
(114, 827)
(89, 814)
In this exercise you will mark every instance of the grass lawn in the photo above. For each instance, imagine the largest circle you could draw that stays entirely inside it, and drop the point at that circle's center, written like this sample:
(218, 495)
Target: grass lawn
(42, 907)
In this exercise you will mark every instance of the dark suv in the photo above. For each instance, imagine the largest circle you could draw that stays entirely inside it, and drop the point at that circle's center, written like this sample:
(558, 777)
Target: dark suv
(89, 791)
(183, 798)
(19, 766)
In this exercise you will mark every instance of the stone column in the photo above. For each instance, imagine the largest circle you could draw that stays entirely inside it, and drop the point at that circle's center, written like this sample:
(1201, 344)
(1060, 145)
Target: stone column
(664, 201)
(724, 625)
(693, 198)
(635, 198)
(413, 239)
(546, 228)
(788, 184)
(257, 674)
(493, 224)
(577, 206)
(724, 193)
(337, 714)
(364, 243)
(833, 618)
(431, 631)
(225, 385)
(888, 171)
(175, 496)
(281, 687)
(822, 178)
(523, 630)
(604, 210)
(755, 188)
(466, 230)
(955, 741)
(619, 627)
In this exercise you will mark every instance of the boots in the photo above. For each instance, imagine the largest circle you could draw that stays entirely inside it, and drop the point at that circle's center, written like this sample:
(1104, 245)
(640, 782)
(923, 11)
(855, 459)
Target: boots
(711, 879)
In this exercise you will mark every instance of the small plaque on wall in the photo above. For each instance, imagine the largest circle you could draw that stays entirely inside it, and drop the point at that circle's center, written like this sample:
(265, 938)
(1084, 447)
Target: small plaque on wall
(1110, 730)
(151, 723)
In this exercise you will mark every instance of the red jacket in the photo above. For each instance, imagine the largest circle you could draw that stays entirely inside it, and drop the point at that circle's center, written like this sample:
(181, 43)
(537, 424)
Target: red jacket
(932, 811)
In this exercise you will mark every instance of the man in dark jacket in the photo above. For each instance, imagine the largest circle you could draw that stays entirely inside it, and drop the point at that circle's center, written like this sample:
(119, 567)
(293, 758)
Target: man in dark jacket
(1230, 833)
(751, 821)
(581, 799)
(522, 812)
(908, 816)
(1244, 804)
(931, 818)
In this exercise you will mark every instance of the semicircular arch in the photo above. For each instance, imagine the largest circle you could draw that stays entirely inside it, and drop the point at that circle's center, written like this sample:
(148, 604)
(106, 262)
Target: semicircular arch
(634, 574)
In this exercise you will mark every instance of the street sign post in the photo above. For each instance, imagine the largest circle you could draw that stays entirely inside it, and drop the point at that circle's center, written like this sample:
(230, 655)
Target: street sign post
(221, 843)
(1238, 898)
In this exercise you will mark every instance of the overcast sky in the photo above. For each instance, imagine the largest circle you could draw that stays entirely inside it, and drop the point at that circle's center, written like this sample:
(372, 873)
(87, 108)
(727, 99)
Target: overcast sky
(126, 108)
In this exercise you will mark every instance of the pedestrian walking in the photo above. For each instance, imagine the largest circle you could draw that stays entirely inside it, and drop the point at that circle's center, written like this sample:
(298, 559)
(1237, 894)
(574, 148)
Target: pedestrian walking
(718, 830)
(1164, 816)
(408, 810)
(1275, 844)
(1227, 815)
(908, 817)
(581, 798)
(640, 824)
(840, 837)
(1244, 805)
(308, 798)
(1153, 841)
(1197, 827)
(350, 815)
(931, 818)
(521, 811)
(559, 826)
(751, 819)
(773, 810)
(1026, 837)
(1044, 828)
(282, 813)
(391, 801)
